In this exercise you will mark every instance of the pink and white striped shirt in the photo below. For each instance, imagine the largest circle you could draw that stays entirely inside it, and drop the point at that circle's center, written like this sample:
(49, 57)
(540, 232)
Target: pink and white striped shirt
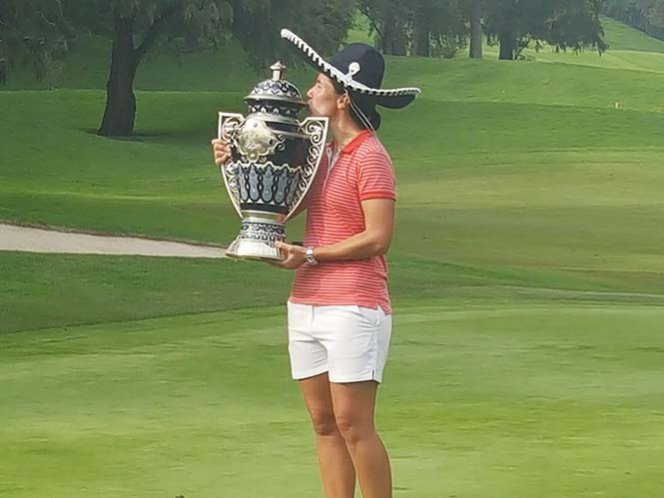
(362, 171)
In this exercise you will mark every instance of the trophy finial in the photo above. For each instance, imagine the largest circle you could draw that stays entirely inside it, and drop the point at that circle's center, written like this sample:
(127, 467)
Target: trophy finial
(278, 70)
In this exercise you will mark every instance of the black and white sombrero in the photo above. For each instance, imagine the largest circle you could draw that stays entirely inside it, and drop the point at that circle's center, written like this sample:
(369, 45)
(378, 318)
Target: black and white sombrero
(359, 68)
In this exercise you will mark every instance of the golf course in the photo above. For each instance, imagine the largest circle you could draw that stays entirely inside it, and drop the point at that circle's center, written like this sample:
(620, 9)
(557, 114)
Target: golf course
(526, 275)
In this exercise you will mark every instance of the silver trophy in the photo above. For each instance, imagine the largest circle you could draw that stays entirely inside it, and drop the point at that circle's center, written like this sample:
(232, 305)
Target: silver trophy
(274, 160)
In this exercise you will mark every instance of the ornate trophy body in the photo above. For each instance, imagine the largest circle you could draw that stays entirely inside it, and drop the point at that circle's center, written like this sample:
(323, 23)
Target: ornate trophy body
(274, 159)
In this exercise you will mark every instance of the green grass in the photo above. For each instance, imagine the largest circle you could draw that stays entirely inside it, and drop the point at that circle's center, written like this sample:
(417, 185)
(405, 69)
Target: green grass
(75, 290)
(531, 82)
(479, 401)
(164, 174)
(526, 275)
(622, 37)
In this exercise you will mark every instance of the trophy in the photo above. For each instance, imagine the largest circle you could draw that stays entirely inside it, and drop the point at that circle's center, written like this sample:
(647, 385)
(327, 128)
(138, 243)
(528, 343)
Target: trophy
(274, 160)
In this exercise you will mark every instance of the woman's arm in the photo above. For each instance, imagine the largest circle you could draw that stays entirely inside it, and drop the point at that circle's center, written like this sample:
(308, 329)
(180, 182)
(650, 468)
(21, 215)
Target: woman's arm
(373, 241)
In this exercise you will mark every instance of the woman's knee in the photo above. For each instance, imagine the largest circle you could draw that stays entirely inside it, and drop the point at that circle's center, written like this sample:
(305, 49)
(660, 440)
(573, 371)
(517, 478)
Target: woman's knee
(324, 423)
(353, 428)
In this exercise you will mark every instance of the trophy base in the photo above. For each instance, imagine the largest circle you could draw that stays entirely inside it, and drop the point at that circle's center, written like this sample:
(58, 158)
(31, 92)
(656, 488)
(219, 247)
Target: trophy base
(256, 241)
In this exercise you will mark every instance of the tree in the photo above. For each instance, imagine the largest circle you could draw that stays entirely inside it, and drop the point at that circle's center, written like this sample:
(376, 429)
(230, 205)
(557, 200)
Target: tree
(31, 33)
(135, 26)
(562, 23)
(418, 27)
(654, 13)
(323, 23)
(145, 20)
(506, 24)
(438, 27)
(423, 24)
(389, 22)
(475, 29)
(576, 25)
(256, 24)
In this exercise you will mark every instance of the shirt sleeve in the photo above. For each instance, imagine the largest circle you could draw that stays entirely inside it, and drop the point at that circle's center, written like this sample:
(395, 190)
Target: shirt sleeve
(376, 177)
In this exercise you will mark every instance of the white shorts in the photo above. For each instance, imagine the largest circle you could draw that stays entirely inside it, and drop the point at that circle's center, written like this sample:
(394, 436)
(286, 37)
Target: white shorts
(349, 342)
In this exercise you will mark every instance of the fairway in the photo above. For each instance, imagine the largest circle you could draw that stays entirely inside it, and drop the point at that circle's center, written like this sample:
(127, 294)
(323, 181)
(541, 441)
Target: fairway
(527, 278)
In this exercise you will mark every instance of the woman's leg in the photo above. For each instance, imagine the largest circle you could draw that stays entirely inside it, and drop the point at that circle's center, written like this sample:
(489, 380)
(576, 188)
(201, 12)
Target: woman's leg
(336, 466)
(354, 405)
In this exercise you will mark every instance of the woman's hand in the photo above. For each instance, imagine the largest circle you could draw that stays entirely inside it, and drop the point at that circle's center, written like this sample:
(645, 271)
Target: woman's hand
(222, 152)
(295, 256)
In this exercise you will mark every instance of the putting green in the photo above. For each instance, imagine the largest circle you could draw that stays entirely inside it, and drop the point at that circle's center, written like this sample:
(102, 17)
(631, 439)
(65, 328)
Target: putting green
(479, 400)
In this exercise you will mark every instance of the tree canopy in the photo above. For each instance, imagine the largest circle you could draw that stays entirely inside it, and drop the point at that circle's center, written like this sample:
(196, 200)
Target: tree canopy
(564, 24)
(419, 27)
(32, 32)
(440, 27)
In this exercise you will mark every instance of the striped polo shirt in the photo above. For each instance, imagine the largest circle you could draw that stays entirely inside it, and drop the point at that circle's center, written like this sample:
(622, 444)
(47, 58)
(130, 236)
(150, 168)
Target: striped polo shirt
(363, 170)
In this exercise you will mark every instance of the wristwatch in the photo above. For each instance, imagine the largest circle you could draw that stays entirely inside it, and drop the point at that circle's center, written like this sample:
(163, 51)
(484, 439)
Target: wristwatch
(309, 255)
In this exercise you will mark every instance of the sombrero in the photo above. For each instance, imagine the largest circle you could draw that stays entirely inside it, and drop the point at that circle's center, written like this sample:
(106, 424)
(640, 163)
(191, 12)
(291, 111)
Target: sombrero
(359, 68)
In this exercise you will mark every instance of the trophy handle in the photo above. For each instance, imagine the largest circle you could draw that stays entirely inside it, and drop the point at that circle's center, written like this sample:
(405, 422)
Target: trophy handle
(316, 131)
(229, 125)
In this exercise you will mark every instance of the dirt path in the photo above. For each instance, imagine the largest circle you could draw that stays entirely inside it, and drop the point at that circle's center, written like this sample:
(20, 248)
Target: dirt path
(20, 238)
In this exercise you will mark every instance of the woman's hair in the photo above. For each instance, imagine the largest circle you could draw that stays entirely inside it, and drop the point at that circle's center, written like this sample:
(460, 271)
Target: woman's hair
(366, 104)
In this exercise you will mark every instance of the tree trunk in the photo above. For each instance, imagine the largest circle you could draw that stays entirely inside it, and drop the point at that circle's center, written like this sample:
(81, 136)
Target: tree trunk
(507, 46)
(3, 72)
(422, 39)
(385, 45)
(394, 39)
(120, 110)
(476, 30)
(399, 42)
(422, 30)
(422, 43)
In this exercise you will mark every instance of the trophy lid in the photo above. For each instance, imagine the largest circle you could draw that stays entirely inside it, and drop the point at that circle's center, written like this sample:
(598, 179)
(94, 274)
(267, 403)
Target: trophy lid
(276, 89)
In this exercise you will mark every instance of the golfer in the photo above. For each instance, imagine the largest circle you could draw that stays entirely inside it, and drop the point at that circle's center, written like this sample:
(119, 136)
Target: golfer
(339, 312)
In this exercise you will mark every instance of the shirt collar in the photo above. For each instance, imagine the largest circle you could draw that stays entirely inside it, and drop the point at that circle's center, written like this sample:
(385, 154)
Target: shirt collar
(356, 142)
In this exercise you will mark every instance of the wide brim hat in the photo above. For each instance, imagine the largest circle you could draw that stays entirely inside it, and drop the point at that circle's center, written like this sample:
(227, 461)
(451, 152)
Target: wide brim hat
(359, 68)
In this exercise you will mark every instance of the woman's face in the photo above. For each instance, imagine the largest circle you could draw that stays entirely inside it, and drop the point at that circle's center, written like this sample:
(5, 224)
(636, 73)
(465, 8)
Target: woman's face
(323, 100)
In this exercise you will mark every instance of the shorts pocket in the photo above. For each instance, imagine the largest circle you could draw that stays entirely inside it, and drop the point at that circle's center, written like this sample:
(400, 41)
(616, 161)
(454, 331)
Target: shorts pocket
(371, 315)
(299, 317)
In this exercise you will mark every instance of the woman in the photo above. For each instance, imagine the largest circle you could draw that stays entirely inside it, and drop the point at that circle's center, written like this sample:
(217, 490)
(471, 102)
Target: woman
(339, 312)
